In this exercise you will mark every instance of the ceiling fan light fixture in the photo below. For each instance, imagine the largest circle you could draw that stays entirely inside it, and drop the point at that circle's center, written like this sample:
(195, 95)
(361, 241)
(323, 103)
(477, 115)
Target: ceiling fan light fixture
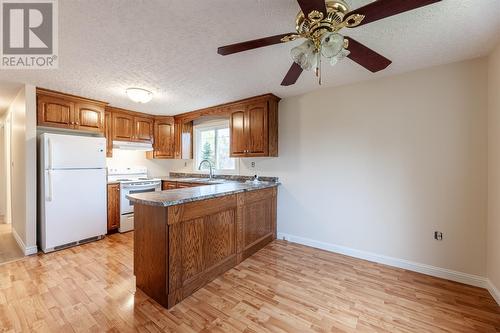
(305, 55)
(139, 95)
(339, 57)
(332, 44)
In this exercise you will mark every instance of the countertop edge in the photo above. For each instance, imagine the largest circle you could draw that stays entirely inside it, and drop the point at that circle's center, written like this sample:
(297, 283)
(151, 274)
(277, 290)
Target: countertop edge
(199, 198)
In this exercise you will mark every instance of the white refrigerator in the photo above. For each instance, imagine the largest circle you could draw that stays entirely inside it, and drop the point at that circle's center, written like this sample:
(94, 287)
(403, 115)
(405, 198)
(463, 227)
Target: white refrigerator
(72, 194)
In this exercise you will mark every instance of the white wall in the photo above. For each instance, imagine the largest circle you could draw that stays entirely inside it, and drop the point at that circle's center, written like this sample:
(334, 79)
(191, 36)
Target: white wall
(493, 241)
(31, 170)
(156, 168)
(379, 166)
(7, 189)
(23, 146)
(17, 111)
(3, 174)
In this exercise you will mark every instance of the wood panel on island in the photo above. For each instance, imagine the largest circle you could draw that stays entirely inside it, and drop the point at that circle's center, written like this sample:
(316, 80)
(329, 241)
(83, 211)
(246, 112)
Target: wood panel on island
(178, 249)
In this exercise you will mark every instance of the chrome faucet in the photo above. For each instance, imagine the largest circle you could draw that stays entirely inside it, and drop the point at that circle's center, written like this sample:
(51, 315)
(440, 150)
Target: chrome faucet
(209, 165)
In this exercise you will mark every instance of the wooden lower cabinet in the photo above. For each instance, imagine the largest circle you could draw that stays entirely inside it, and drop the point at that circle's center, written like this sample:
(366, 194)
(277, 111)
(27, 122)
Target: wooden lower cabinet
(179, 249)
(166, 185)
(172, 185)
(113, 207)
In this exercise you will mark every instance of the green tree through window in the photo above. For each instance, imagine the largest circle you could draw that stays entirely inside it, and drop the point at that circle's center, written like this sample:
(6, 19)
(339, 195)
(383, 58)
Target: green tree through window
(208, 153)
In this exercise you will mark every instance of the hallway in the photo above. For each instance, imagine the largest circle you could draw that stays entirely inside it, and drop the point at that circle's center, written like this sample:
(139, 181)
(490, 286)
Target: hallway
(9, 250)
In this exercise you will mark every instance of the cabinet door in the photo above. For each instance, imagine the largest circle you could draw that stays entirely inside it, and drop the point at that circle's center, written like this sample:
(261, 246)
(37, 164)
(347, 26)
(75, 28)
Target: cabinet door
(166, 185)
(164, 138)
(123, 126)
(184, 185)
(113, 207)
(108, 134)
(55, 112)
(238, 127)
(257, 133)
(89, 117)
(143, 129)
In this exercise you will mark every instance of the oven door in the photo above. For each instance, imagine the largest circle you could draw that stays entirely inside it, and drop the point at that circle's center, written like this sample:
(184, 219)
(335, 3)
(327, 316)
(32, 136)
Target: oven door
(126, 206)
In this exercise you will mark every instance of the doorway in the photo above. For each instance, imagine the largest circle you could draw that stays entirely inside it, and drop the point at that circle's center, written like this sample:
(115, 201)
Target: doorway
(9, 248)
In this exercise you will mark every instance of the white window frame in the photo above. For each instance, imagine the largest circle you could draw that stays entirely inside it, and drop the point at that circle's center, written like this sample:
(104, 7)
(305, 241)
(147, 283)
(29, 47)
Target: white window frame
(211, 125)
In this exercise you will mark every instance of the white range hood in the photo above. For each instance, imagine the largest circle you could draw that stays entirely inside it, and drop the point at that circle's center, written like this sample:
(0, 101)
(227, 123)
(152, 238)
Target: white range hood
(128, 145)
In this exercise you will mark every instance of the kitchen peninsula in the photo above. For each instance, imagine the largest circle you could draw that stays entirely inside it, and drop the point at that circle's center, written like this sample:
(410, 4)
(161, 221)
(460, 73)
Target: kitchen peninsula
(186, 237)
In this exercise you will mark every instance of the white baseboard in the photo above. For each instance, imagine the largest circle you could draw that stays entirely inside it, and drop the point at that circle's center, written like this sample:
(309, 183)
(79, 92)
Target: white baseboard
(493, 291)
(473, 280)
(28, 250)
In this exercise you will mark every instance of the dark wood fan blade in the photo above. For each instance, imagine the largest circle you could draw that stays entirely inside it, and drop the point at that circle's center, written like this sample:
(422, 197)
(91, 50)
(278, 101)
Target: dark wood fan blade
(252, 44)
(292, 76)
(384, 8)
(308, 6)
(366, 57)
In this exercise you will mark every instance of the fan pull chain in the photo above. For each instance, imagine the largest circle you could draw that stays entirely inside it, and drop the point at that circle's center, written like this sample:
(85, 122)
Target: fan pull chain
(318, 68)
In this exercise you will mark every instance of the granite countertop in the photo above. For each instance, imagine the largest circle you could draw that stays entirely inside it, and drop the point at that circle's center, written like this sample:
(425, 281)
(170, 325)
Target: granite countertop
(190, 194)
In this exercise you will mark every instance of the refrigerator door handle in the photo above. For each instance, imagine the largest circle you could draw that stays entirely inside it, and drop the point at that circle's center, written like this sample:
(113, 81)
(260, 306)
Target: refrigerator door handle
(49, 181)
(49, 143)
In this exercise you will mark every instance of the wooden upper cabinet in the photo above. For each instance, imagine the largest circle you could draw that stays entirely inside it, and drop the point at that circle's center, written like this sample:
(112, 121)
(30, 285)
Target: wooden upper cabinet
(55, 112)
(122, 126)
(65, 111)
(254, 128)
(131, 126)
(89, 117)
(183, 143)
(143, 129)
(257, 129)
(238, 125)
(108, 133)
(164, 137)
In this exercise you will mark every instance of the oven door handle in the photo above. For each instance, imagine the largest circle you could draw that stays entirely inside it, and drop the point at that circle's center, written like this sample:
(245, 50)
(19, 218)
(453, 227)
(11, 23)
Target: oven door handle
(141, 187)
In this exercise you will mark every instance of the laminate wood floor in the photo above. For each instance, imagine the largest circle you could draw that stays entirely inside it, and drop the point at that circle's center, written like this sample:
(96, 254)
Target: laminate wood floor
(283, 288)
(9, 250)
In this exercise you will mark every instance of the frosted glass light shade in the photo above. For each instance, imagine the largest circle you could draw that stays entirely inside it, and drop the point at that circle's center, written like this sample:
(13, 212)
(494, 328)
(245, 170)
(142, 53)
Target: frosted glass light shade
(305, 55)
(342, 54)
(332, 44)
(139, 95)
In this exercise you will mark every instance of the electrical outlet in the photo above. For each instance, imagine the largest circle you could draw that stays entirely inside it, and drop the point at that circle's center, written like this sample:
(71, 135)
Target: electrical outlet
(252, 164)
(438, 235)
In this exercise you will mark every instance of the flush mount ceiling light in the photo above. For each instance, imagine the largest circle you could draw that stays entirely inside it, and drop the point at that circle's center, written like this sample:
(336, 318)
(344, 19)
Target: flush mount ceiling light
(139, 95)
(319, 22)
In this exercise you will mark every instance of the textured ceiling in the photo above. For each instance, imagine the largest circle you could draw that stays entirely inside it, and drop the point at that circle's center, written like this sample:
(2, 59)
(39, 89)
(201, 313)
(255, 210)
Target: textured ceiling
(8, 91)
(170, 48)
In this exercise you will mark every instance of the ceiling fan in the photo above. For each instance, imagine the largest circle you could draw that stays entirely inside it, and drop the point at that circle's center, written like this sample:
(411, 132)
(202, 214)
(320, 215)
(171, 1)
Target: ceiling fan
(319, 22)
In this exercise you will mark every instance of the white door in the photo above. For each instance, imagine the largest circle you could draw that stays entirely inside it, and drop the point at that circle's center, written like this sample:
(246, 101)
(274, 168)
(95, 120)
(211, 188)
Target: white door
(74, 152)
(75, 205)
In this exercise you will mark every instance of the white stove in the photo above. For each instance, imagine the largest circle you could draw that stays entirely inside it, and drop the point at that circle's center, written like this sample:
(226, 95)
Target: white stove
(132, 180)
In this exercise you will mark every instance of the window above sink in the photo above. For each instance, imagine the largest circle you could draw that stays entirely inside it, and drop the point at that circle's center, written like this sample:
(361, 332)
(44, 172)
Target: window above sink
(212, 142)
